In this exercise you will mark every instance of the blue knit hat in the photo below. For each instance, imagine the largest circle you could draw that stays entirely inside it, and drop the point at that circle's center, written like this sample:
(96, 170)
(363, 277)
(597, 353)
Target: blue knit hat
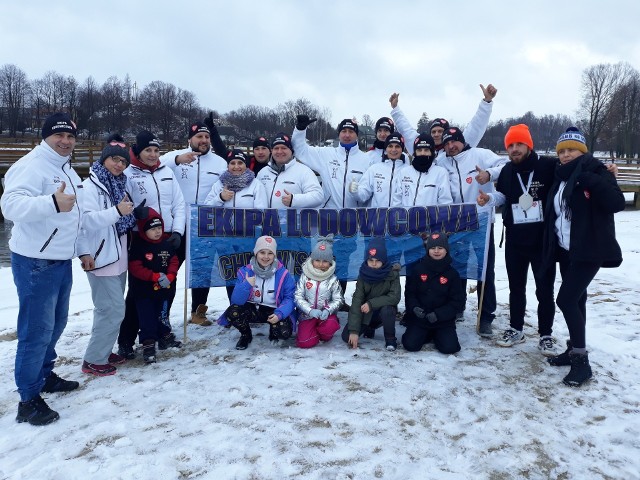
(376, 249)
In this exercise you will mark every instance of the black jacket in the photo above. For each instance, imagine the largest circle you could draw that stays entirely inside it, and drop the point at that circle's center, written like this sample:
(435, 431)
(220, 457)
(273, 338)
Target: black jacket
(594, 200)
(435, 286)
(525, 234)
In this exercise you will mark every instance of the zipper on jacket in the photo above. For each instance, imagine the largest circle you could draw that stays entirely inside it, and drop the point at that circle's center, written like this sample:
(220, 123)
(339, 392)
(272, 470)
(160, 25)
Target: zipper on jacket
(415, 197)
(273, 190)
(46, 244)
(99, 249)
(453, 159)
(198, 180)
(344, 180)
(77, 206)
(393, 168)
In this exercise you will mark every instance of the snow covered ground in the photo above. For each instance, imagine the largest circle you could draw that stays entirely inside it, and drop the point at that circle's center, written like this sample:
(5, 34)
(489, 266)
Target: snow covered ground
(209, 411)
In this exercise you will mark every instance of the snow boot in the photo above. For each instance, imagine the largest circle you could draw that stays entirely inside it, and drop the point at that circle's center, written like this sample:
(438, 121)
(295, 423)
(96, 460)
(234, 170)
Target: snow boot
(54, 384)
(580, 370)
(149, 351)
(36, 412)
(126, 351)
(199, 317)
(562, 360)
(168, 341)
(245, 340)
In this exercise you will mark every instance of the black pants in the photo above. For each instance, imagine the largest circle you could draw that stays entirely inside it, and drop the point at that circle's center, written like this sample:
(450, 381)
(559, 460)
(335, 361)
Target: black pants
(445, 339)
(517, 260)
(572, 296)
(242, 316)
(198, 295)
(489, 302)
(384, 317)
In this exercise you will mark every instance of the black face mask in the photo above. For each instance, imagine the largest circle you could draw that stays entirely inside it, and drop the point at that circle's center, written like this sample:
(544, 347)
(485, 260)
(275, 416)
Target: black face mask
(422, 163)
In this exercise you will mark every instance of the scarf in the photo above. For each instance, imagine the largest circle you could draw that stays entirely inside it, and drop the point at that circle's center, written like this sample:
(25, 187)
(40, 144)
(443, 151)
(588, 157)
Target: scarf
(374, 275)
(422, 163)
(569, 173)
(437, 266)
(261, 272)
(116, 188)
(378, 144)
(348, 146)
(235, 183)
(317, 275)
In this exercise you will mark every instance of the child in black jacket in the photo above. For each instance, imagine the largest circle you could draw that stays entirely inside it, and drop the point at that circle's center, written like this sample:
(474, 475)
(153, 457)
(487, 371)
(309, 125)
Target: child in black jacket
(433, 295)
(153, 265)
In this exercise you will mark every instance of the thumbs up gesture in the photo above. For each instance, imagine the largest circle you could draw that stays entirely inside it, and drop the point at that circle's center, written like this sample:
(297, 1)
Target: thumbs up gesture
(287, 198)
(353, 186)
(482, 199)
(125, 207)
(483, 176)
(63, 201)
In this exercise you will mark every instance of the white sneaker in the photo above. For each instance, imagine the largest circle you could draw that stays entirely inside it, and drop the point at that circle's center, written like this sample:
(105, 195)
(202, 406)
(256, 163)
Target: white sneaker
(548, 346)
(511, 337)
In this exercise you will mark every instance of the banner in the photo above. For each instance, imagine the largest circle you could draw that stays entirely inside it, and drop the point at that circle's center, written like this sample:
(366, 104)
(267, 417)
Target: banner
(221, 240)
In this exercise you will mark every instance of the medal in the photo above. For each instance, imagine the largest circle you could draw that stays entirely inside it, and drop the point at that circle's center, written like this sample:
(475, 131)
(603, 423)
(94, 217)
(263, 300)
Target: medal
(525, 201)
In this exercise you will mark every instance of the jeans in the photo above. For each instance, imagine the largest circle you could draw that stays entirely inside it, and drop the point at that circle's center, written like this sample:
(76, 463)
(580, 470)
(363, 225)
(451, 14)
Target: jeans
(44, 288)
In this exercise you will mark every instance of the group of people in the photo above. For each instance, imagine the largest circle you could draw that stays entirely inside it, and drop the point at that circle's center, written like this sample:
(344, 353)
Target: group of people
(128, 219)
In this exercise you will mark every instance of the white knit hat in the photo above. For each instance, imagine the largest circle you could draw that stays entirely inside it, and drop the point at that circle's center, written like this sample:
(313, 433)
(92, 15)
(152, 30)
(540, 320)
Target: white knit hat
(265, 243)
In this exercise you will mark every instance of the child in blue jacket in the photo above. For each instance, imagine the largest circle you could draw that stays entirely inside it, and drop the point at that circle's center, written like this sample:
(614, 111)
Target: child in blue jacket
(264, 292)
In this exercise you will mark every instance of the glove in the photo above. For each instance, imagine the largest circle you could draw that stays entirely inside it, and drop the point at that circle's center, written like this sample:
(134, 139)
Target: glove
(303, 121)
(174, 240)
(324, 314)
(163, 281)
(315, 313)
(209, 122)
(353, 186)
(141, 212)
(419, 312)
(431, 317)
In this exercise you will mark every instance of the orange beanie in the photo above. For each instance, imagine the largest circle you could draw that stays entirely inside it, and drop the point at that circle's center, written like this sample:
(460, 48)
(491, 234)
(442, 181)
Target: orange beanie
(518, 134)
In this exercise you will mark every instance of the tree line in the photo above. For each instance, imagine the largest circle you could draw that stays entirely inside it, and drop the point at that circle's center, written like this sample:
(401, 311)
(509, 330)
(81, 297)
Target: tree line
(609, 112)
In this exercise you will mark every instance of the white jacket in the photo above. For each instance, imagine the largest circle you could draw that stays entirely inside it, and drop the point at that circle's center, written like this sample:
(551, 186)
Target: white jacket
(296, 179)
(99, 218)
(252, 196)
(413, 188)
(162, 192)
(462, 174)
(337, 168)
(324, 294)
(375, 155)
(39, 230)
(473, 132)
(377, 183)
(198, 177)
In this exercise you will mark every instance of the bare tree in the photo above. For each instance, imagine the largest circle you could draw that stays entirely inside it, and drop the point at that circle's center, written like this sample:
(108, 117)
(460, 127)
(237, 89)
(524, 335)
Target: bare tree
(88, 106)
(599, 85)
(14, 90)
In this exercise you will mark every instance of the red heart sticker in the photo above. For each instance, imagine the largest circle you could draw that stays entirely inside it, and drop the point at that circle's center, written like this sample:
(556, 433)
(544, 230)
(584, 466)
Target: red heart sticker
(372, 252)
(435, 236)
(309, 285)
(443, 280)
(268, 239)
(587, 194)
(469, 180)
(278, 193)
(423, 277)
(148, 256)
(256, 293)
(322, 247)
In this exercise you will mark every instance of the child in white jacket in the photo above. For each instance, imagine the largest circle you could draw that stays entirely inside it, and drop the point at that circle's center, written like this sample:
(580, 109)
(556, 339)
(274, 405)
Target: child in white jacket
(318, 296)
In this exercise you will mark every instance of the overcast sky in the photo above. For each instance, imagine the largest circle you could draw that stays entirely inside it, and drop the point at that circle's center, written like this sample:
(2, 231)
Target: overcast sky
(347, 56)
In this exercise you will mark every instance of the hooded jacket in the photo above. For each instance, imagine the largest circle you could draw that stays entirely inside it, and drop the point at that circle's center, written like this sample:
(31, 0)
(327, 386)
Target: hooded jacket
(39, 229)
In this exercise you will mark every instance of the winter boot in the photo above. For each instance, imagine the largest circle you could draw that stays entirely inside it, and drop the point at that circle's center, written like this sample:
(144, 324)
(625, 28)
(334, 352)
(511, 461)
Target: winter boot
(54, 384)
(126, 351)
(149, 351)
(245, 340)
(391, 344)
(168, 341)
(562, 360)
(199, 317)
(36, 412)
(115, 359)
(580, 370)
(98, 370)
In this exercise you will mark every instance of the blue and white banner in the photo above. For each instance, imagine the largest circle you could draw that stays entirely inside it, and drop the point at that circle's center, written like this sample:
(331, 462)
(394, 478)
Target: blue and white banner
(221, 240)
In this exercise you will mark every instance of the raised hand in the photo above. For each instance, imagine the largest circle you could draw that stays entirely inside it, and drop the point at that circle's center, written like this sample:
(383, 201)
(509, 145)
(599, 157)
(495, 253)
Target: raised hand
(489, 92)
(64, 201)
(483, 176)
(303, 121)
(141, 212)
(125, 207)
(482, 199)
(393, 99)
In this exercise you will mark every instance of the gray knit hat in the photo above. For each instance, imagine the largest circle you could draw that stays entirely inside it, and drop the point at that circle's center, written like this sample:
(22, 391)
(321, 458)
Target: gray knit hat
(323, 250)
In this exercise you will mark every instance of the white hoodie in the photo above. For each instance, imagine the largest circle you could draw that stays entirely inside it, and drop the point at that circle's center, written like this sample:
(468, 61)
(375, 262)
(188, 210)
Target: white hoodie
(39, 230)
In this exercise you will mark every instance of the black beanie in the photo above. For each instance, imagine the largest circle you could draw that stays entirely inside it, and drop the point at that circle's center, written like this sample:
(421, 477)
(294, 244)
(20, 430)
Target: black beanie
(394, 138)
(237, 154)
(439, 122)
(261, 142)
(58, 123)
(282, 139)
(198, 127)
(115, 147)
(385, 122)
(435, 239)
(346, 123)
(453, 133)
(145, 139)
